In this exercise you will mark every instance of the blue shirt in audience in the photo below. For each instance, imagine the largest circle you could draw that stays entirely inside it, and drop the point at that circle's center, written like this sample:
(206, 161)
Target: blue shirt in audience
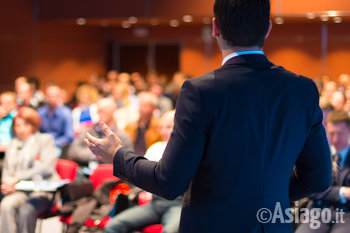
(5, 127)
(58, 123)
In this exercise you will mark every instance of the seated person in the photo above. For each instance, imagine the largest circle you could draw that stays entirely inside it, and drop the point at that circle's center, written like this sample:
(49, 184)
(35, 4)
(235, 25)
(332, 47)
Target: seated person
(8, 110)
(56, 119)
(85, 114)
(159, 210)
(79, 151)
(145, 131)
(338, 195)
(19, 209)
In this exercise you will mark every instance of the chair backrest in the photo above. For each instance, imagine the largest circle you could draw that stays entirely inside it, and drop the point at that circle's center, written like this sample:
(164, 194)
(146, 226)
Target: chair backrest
(102, 173)
(66, 169)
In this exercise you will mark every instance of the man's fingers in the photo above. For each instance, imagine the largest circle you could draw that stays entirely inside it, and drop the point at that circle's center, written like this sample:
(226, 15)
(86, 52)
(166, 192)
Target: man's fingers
(92, 139)
(106, 130)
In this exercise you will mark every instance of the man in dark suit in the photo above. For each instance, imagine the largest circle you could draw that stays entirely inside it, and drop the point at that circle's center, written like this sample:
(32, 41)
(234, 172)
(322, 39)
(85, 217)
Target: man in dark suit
(337, 197)
(238, 133)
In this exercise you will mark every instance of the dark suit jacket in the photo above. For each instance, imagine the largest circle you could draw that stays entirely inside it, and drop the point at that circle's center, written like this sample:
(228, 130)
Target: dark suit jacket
(238, 133)
(331, 195)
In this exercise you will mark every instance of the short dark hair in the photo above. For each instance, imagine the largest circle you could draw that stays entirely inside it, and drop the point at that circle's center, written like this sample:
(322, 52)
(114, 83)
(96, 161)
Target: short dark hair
(243, 22)
(338, 116)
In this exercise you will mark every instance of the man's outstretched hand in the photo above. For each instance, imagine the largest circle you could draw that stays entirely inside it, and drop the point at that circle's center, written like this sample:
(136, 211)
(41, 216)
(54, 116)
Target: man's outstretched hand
(104, 148)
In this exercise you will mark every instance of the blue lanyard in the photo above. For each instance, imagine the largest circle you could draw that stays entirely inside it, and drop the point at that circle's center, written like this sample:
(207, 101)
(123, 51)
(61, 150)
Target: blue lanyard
(250, 52)
(228, 57)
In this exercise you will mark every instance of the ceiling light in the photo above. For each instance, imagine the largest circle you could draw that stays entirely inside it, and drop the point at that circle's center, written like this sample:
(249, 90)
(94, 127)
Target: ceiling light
(174, 23)
(126, 24)
(187, 18)
(279, 20)
(310, 15)
(332, 13)
(81, 21)
(337, 19)
(324, 18)
(133, 20)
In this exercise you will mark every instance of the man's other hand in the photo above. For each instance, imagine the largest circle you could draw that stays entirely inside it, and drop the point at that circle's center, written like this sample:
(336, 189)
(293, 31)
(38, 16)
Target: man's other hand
(105, 148)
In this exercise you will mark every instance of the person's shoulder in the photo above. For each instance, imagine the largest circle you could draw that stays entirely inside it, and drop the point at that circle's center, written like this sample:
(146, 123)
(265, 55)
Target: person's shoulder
(291, 75)
(202, 80)
(63, 111)
(44, 138)
(294, 80)
(43, 109)
(202, 83)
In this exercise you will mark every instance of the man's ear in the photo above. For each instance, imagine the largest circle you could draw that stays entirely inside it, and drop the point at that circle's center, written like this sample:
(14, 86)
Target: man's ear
(215, 28)
(268, 30)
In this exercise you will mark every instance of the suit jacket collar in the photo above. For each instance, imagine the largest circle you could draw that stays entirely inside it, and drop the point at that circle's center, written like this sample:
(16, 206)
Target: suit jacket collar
(256, 61)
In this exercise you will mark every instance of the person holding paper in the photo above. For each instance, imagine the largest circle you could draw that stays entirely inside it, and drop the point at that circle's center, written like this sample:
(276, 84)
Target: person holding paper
(19, 210)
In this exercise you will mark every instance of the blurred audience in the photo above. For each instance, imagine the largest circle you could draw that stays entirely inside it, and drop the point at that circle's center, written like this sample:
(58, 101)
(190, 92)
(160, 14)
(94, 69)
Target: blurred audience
(79, 151)
(145, 131)
(85, 114)
(159, 210)
(172, 90)
(127, 105)
(8, 110)
(164, 103)
(19, 209)
(25, 96)
(56, 119)
(38, 96)
(338, 195)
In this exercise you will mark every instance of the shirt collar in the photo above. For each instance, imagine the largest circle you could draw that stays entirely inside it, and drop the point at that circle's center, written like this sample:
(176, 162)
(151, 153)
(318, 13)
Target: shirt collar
(235, 54)
(343, 153)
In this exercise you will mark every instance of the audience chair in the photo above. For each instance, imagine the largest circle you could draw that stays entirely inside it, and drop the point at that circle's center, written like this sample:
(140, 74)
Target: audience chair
(99, 175)
(66, 169)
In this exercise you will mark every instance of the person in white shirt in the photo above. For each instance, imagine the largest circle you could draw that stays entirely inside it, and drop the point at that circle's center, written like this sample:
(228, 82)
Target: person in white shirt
(165, 211)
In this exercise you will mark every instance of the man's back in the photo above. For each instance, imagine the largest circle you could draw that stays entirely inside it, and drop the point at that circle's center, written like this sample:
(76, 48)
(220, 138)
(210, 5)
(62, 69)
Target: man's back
(258, 118)
(238, 133)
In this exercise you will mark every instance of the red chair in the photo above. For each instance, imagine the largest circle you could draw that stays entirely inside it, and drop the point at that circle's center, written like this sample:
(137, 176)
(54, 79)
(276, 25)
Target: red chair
(144, 199)
(100, 174)
(66, 169)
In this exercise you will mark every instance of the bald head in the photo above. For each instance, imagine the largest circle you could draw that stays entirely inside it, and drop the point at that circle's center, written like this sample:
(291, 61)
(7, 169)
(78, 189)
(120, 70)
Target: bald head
(105, 110)
(167, 125)
(24, 93)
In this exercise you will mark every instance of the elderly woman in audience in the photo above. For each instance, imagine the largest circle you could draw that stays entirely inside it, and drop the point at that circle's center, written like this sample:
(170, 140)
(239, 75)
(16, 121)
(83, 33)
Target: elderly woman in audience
(19, 209)
(85, 114)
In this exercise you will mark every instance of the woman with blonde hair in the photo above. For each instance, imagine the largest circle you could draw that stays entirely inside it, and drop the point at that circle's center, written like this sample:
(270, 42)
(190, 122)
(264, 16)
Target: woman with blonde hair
(85, 114)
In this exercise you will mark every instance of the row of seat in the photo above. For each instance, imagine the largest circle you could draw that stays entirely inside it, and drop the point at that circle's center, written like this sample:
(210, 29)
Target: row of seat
(68, 169)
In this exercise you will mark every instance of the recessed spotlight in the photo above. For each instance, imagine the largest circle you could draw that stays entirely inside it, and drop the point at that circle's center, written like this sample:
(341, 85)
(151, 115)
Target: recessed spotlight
(279, 20)
(187, 18)
(81, 21)
(324, 18)
(154, 22)
(332, 13)
(207, 20)
(126, 24)
(337, 19)
(174, 23)
(310, 15)
(133, 20)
